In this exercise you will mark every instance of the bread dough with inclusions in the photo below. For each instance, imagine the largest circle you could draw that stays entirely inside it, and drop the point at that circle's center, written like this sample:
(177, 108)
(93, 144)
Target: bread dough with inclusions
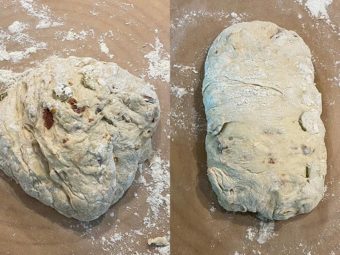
(265, 139)
(74, 131)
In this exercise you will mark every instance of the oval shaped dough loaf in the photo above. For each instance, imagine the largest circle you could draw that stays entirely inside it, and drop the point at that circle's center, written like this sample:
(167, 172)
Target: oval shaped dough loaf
(265, 139)
(74, 131)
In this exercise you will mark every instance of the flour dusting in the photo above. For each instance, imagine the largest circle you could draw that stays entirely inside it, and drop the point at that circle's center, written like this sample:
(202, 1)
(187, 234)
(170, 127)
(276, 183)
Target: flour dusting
(159, 62)
(158, 197)
(16, 56)
(71, 35)
(183, 68)
(103, 48)
(265, 232)
(192, 17)
(17, 27)
(16, 33)
(318, 8)
(251, 233)
(178, 92)
(42, 13)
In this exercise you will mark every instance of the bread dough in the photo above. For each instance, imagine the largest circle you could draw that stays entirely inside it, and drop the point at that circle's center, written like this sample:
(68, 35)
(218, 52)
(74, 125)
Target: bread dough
(265, 139)
(73, 132)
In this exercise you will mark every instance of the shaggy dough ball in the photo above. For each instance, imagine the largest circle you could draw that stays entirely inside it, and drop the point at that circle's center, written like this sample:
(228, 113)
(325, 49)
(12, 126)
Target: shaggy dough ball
(265, 139)
(73, 132)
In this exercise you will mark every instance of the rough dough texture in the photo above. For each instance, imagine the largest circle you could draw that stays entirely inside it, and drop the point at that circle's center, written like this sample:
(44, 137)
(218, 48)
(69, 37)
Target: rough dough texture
(74, 131)
(265, 139)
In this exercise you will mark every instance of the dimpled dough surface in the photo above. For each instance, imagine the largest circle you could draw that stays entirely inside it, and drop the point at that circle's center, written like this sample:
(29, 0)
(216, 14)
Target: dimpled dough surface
(265, 139)
(74, 131)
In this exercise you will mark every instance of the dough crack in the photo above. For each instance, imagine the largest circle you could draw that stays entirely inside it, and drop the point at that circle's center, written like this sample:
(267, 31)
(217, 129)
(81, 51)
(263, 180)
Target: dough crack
(254, 84)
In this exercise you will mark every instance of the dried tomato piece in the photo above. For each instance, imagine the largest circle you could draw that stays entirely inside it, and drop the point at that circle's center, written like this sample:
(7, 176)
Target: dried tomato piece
(73, 102)
(48, 118)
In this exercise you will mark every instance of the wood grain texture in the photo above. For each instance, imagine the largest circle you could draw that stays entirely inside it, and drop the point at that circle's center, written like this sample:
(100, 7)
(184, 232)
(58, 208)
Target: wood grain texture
(26, 225)
(195, 229)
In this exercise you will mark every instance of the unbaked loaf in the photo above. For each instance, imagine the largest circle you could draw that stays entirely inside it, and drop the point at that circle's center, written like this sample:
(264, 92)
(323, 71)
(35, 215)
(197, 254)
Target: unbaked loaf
(265, 139)
(73, 132)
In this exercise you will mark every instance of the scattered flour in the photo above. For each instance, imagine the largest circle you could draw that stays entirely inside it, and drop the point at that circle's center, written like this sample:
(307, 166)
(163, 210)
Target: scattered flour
(212, 209)
(251, 233)
(94, 13)
(17, 27)
(262, 234)
(265, 232)
(158, 197)
(103, 48)
(159, 62)
(178, 92)
(183, 68)
(237, 18)
(42, 13)
(71, 35)
(163, 250)
(16, 56)
(318, 8)
(15, 33)
(192, 17)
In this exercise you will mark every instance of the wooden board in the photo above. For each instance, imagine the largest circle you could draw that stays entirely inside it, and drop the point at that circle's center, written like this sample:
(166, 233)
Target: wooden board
(129, 29)
(199, 225)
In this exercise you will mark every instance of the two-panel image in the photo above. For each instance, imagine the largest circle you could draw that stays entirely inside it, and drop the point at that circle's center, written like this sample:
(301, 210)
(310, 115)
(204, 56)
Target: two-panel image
(169, 127)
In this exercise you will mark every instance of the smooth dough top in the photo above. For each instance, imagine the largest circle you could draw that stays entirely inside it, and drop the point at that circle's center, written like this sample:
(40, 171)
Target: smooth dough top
(73, 132)
(265, 139)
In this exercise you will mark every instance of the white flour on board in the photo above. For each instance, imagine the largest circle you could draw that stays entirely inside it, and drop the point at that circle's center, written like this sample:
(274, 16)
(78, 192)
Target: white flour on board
(192, 17)
(42, 13)
(212, 209)
(251, 233)
(16, 33)
(17, 27)
(159, 62)
(317, 8)
(16, 56)
(178, 92)
(263, 233)
(71, 35)
(183, 68)
(158, 198)
(104, 49)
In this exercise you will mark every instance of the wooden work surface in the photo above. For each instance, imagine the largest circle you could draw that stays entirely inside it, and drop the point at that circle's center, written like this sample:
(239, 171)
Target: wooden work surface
(198, 228)
(129, 29)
